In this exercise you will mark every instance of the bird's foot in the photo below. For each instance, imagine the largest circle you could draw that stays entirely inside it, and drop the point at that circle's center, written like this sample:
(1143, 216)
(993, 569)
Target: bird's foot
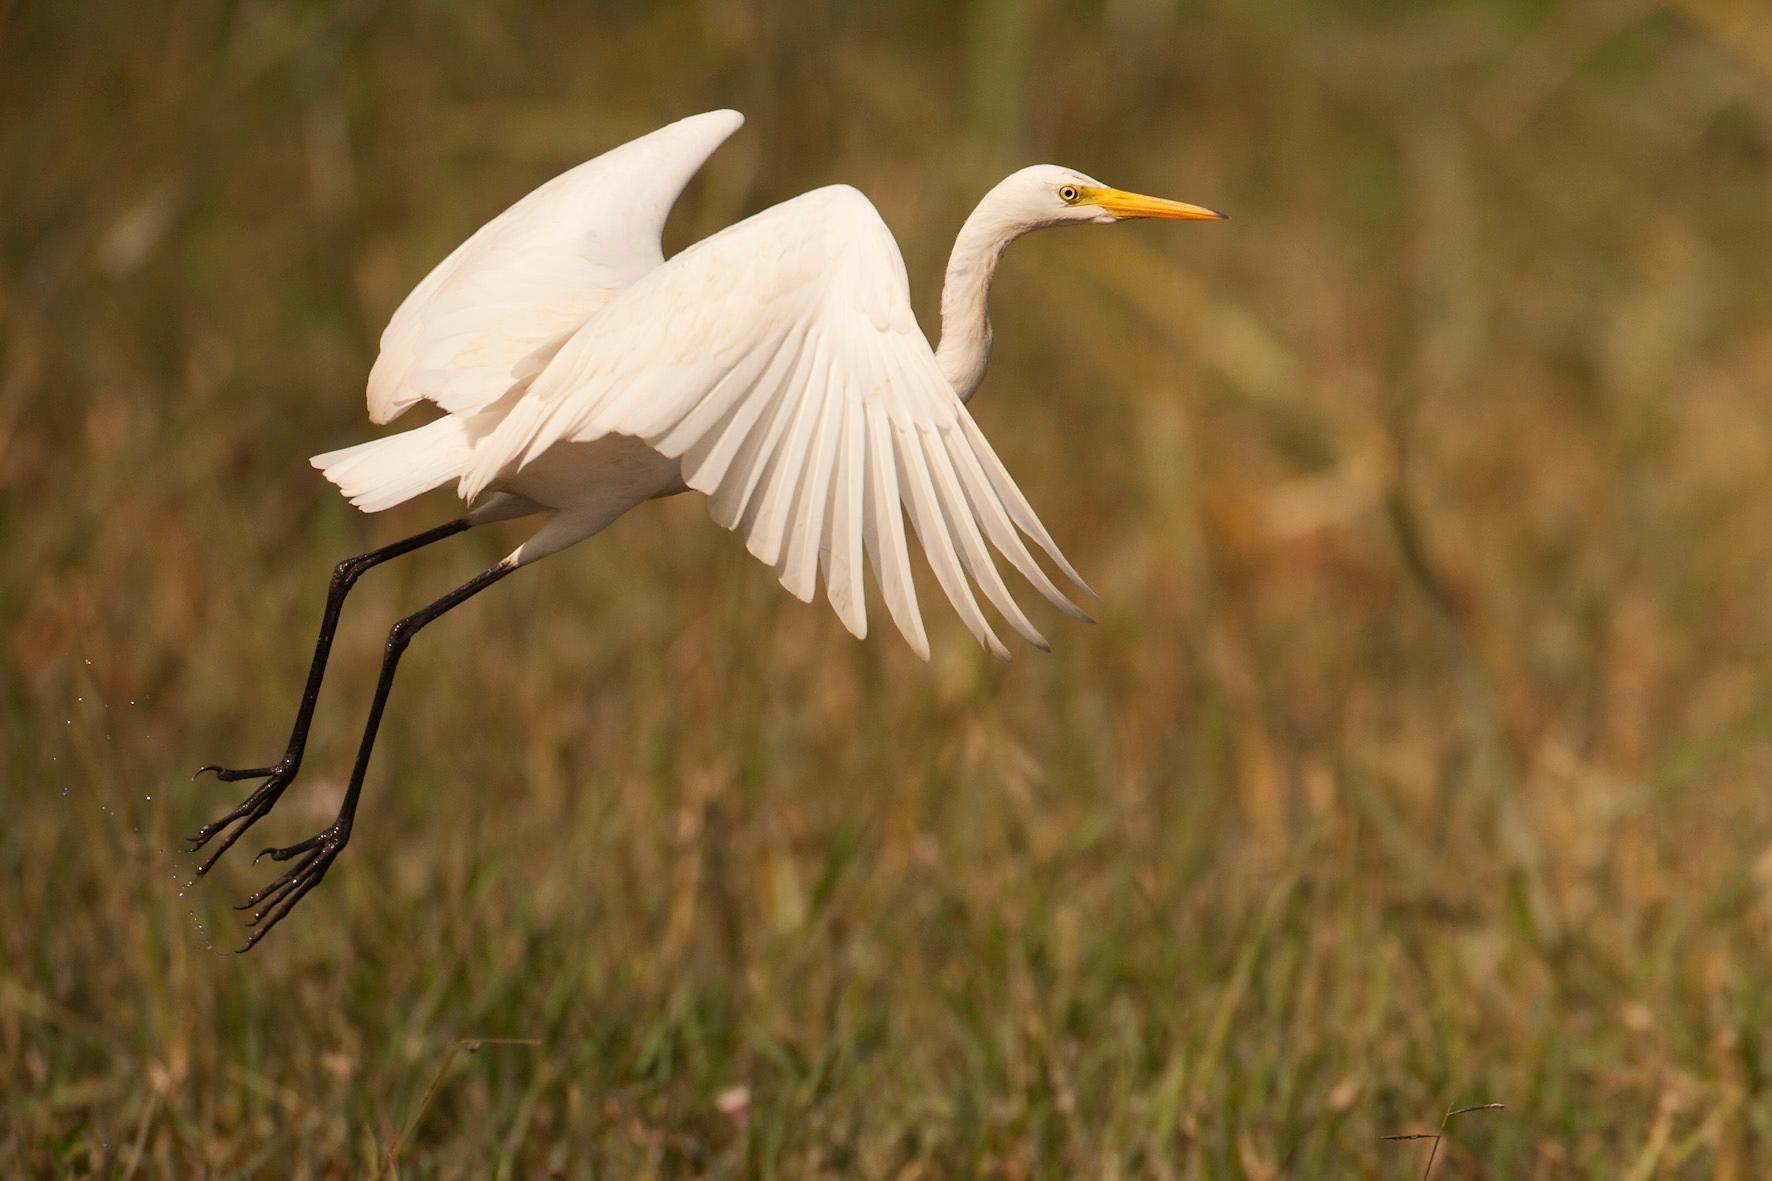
(272, 904)
(232, 826)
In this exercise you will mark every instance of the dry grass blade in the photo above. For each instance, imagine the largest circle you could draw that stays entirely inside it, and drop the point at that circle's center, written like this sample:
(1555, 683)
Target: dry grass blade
(468, 1045)
(1436, 1136)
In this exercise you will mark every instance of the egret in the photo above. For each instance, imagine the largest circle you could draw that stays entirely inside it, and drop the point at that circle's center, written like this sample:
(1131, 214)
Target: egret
(775, 367)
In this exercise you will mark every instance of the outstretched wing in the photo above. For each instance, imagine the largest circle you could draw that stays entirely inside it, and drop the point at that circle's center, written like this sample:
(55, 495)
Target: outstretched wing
(779, 360)
(497, 309)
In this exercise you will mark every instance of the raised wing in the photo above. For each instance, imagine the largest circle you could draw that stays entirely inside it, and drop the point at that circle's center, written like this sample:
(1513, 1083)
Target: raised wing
(497, 309)
(780, 361)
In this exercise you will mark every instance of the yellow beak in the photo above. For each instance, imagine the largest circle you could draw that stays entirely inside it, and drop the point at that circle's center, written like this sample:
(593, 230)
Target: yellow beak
(1123, 204)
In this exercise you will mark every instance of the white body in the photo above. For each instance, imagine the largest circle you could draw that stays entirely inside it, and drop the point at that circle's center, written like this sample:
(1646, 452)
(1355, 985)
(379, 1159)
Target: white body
(775, 366)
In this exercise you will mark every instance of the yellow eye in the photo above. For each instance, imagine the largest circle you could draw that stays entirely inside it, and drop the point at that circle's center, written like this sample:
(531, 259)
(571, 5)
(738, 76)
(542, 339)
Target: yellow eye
(1068, 193)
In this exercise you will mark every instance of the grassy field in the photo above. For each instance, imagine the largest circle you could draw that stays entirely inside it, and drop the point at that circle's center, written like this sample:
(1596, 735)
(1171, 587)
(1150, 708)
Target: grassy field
(1421, 756)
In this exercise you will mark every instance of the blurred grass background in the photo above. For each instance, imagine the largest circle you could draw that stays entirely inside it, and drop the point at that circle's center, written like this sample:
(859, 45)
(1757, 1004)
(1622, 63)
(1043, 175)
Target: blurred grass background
(1420, 756)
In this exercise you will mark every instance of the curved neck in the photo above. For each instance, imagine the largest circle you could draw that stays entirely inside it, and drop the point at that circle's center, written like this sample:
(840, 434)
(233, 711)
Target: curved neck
(965, 348)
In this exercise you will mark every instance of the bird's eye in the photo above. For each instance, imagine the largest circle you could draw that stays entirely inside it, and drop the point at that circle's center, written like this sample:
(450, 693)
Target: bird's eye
(1068, 193)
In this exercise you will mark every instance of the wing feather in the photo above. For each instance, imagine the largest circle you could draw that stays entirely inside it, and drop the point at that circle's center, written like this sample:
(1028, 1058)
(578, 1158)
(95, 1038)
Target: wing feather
(766, 517)
(751, 481)
(883, 532)
(728, 473)
(1020, 511)
(989, 511)
(961, 524)
(842, 546)
(938, 544)
(813, 504)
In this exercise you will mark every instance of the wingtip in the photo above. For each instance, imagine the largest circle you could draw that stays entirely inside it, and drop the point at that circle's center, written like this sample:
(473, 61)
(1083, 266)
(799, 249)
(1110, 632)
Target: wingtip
(1070, 573)
(733, 119)
(803, 593)
(857, 626)
(1071, 609)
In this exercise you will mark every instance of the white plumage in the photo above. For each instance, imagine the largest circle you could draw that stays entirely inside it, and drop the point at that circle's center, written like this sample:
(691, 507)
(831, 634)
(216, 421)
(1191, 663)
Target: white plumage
(775, 366)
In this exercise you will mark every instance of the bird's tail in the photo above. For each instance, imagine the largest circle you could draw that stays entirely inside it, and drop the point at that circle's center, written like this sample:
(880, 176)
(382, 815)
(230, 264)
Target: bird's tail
(386, 472)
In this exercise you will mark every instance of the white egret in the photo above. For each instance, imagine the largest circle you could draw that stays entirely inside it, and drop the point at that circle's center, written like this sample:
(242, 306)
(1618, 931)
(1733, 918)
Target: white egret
(775, 367)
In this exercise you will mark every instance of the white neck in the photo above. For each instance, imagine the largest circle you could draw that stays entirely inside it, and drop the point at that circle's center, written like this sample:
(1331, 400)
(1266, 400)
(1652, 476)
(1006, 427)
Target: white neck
(965, 348)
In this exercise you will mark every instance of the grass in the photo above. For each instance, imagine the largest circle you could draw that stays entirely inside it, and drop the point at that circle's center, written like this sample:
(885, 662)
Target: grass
(1419, 759)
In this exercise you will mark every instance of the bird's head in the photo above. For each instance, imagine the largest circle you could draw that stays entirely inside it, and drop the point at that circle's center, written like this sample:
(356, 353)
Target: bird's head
(1048, 195)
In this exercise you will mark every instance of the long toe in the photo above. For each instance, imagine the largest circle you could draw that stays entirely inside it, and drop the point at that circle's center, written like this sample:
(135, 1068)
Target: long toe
(235, 774)
(266, 900)
(272, 918)
(295, 850)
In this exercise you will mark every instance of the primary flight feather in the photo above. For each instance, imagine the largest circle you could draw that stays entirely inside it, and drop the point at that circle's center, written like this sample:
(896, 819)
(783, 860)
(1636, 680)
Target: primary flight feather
(775, 367)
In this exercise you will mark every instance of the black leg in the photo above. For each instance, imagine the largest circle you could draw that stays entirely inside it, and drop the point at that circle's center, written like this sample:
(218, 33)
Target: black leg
(273, 903)
(280, 774)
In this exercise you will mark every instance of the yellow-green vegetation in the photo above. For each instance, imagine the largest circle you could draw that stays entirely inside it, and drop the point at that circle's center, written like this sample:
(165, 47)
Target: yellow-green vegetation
(1421, 757)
